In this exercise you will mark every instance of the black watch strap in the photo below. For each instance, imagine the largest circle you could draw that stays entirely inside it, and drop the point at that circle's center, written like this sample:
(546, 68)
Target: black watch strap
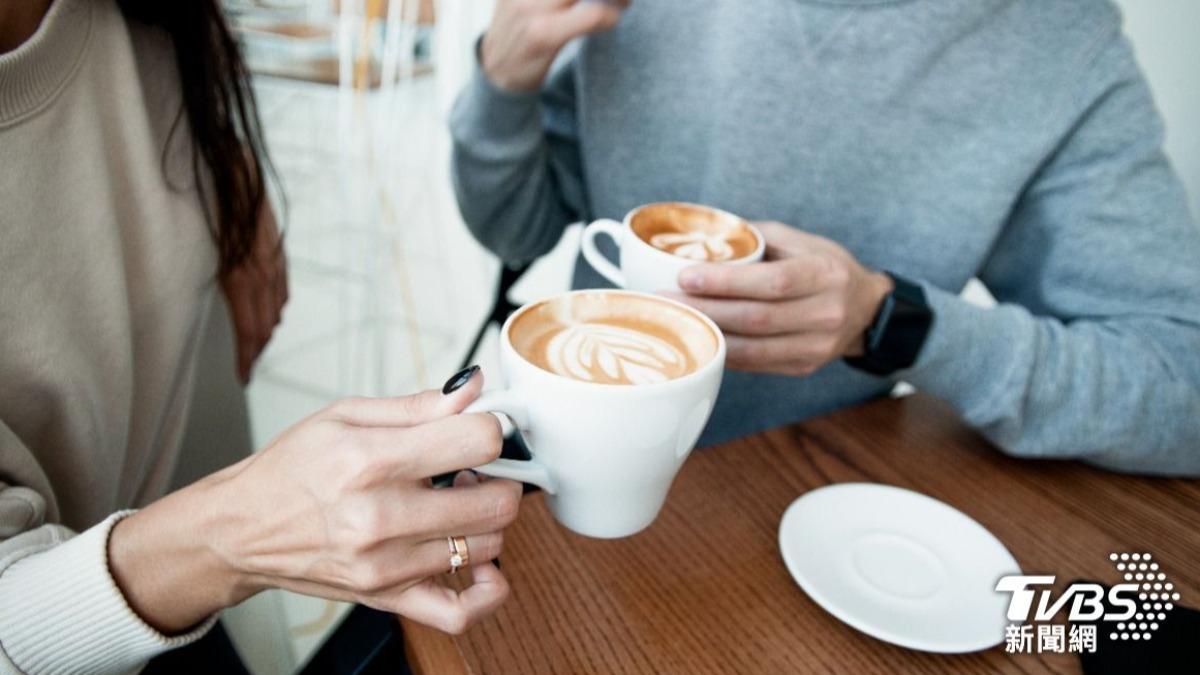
(895, 338)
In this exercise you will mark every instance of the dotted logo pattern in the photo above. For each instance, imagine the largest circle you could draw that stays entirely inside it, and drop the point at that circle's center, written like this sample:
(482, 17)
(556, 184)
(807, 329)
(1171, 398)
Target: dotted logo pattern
(1156, 595)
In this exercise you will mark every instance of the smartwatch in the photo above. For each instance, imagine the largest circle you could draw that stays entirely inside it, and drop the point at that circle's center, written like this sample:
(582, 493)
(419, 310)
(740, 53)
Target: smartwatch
(895, 338)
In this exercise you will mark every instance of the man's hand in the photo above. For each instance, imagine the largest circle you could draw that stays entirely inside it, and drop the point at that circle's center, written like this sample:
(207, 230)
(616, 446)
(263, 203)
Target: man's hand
(256, 292)
(807, 304)
(525, 35)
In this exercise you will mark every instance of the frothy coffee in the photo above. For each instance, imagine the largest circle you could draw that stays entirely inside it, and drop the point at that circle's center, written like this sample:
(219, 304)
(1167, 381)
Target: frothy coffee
(694, 232)
(612, 337)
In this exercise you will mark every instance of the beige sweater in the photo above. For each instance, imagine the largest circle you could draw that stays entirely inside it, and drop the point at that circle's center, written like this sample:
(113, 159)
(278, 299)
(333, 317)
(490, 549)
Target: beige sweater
(106, 276)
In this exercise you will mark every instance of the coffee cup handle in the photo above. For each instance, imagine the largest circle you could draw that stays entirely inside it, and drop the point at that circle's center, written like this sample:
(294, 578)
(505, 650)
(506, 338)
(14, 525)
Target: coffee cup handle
(525, 471)
(593, 255)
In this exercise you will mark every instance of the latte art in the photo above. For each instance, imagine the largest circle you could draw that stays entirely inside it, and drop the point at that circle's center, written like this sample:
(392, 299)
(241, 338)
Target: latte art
(694, 232)
(598, 352)
(695, 245)
(613, 338)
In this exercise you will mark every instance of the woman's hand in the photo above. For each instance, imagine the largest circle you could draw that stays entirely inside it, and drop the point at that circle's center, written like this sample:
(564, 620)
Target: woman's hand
(525, 35)
(256, 292)
(340, 507)
(810, 302)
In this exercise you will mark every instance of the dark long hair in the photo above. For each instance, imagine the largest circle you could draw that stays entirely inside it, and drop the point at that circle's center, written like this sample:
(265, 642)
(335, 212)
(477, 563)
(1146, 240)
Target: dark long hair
(223, 117)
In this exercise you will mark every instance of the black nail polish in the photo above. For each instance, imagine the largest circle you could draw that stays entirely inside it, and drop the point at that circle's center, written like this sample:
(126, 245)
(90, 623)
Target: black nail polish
(459, 379)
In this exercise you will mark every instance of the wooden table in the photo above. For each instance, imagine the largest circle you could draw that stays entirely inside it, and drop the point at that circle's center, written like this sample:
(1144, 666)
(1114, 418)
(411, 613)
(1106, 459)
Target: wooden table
(704, 589)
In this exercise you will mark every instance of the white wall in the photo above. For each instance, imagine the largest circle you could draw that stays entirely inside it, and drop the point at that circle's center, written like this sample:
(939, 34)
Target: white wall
(1166, 37)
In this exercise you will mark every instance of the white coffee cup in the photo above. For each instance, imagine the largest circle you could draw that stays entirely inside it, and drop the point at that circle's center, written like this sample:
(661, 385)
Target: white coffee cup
(605, 454)
(644, 267)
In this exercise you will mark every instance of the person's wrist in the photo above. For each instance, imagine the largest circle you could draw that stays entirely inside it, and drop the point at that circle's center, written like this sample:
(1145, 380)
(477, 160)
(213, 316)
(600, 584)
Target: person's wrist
(487, 65)
(226, 524)
(501, 77)
(168, 561)
(877, 286)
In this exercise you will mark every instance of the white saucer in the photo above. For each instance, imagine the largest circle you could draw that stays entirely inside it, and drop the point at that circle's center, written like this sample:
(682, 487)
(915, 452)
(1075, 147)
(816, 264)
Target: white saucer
(898, 566)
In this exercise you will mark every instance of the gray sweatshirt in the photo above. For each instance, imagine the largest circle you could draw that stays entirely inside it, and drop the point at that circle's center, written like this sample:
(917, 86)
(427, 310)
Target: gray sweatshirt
(1011, 140)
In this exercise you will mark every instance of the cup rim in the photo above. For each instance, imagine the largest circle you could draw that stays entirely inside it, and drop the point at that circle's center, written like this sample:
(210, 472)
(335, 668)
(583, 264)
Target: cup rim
(755, 256)
(717, 357)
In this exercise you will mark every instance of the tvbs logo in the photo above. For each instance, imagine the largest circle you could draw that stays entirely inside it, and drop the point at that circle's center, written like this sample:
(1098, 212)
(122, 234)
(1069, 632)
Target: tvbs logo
(1136, 606)
(1087, 600)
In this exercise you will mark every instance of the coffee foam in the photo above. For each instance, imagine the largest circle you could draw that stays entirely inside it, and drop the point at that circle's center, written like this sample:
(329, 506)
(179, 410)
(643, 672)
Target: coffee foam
(694, 232)
(611, 337)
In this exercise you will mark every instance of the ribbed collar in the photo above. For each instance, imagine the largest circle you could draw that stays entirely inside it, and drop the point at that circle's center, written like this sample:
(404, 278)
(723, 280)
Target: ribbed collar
(32, 75)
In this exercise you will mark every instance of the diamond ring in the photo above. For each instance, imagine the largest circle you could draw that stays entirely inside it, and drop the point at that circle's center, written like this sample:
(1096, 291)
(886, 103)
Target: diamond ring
(459, 556)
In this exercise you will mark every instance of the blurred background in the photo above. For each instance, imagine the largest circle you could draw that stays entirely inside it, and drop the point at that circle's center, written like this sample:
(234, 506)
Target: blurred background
(388, 289)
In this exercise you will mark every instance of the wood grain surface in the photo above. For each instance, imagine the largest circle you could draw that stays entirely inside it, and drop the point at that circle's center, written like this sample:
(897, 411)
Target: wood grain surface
(704, 589)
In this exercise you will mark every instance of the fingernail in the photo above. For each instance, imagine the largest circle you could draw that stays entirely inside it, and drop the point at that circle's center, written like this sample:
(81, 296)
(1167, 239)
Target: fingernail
(466, 477)
(459, 379)
(690, 280)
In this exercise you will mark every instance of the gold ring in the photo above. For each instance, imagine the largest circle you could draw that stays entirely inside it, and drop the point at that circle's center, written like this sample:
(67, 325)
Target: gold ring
(459, 556)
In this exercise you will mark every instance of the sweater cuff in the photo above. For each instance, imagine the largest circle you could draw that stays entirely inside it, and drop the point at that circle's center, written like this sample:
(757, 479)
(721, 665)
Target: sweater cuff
(970, 354)
(61, 611)
(496, 124)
